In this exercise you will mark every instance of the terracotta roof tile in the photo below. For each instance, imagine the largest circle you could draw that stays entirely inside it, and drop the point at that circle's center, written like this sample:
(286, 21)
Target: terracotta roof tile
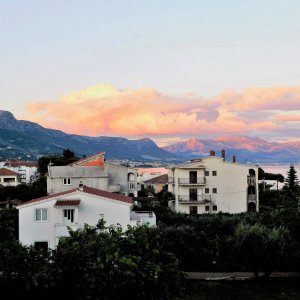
(87, 190)
(68, 202)
(163, 179)
(21, 163)
(49, 196)
(105, 194)
(7, 172)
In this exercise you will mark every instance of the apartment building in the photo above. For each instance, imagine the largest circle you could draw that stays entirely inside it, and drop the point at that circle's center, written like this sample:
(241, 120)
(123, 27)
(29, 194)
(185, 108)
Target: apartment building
(212, 185)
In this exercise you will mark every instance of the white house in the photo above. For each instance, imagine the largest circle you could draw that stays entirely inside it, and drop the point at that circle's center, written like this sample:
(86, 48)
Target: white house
(44, 220)
(95, 172)
(26, 169)
(9, 178)
(214, 185)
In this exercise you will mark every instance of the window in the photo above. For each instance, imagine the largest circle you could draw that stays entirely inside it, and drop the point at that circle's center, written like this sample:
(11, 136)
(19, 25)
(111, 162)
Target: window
(67, 181)
(41, 214)
(41, 246)
(69, 215)
(206, 190)
(214, 173)
(206, 207)
(215, 190)
(215, 208)
(193, 210)
(206, 173)
(193, 176)
(193, 194)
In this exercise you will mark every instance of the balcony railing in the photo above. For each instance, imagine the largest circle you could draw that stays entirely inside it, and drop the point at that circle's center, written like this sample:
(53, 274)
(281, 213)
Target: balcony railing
(131, 185)
(193, 199)
(142, 218)
(198, 180)
(251, 180)
(171, 180)
(251, 198)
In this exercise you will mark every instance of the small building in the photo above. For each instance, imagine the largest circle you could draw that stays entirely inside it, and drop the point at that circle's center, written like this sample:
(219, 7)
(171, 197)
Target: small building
(9, 178)
(44, 220)
(144, 174)
(212, 185)
(157, 182)
(26, 169)
(95, 172)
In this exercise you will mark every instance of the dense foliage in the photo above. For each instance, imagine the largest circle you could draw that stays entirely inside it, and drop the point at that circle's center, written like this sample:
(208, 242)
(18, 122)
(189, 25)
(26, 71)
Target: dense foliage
(99, 262)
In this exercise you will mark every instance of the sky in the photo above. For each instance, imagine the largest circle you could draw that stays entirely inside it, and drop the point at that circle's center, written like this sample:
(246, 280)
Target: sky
(169, 70)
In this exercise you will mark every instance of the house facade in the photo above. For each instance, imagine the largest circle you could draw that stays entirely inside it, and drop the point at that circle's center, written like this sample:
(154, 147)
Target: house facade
(212, 185)
(44, 220)
(9, 178)
(27, 170)
(95, 172)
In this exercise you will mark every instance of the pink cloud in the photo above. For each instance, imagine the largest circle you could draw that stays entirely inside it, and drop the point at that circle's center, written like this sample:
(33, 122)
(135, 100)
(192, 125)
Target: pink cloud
(105, 110)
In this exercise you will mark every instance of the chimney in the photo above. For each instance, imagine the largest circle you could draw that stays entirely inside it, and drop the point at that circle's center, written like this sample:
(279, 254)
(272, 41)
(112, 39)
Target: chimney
(212, 153)
(80, 187)
(234, 158)
(223, 154)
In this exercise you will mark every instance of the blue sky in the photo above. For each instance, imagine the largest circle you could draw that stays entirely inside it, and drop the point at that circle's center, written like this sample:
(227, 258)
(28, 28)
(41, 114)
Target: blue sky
(53, 48)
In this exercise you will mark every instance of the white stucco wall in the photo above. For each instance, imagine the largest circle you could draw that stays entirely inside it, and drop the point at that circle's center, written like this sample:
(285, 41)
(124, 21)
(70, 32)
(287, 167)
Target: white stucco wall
(55, 185)
(231, 183)
(89, 211)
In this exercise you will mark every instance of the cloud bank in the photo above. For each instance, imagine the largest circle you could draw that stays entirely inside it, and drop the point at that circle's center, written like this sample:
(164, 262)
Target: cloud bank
(105, 110)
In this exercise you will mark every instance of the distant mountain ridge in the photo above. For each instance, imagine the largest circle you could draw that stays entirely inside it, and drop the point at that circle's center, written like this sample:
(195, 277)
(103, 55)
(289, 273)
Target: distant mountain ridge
(28, 140)
(247, 149)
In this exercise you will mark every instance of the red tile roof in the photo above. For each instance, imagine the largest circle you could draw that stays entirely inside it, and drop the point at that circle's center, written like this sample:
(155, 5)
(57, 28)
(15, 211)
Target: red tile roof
(163, 179)
(105, 194)
(68, 202)
(21, 163)
(87, 190)
(6, 172)
(86, 159)
(49, 196)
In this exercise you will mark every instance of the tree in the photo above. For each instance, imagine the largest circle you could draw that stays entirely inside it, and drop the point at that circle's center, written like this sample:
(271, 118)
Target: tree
(259, 248)
(101, 262)
(292, 181)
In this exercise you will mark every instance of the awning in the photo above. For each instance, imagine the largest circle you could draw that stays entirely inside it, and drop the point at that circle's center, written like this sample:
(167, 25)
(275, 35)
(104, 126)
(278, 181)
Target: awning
(69, 202)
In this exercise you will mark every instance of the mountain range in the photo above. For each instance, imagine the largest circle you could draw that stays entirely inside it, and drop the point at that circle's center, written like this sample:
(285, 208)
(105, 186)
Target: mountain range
(28, 140)
(247, 149)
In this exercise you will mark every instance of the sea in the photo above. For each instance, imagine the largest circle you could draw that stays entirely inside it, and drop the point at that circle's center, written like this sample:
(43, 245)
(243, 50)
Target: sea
(280, 169)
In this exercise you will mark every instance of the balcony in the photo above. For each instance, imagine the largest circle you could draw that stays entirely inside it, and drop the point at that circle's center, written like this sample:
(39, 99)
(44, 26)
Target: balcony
(251, 180)
(251, 198)
(192, 181)
(142, 218)
(192, 199)
(131, 185)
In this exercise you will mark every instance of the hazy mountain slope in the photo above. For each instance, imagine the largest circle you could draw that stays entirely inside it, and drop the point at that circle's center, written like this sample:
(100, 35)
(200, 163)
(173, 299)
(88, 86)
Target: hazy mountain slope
(28, 139)
(247, 149)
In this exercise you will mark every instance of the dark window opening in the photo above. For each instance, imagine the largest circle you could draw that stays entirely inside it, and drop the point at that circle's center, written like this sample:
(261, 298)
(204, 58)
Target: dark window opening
(193, 210)
(41, 246)
(69, 214)
(193, 194)
(193, 176)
